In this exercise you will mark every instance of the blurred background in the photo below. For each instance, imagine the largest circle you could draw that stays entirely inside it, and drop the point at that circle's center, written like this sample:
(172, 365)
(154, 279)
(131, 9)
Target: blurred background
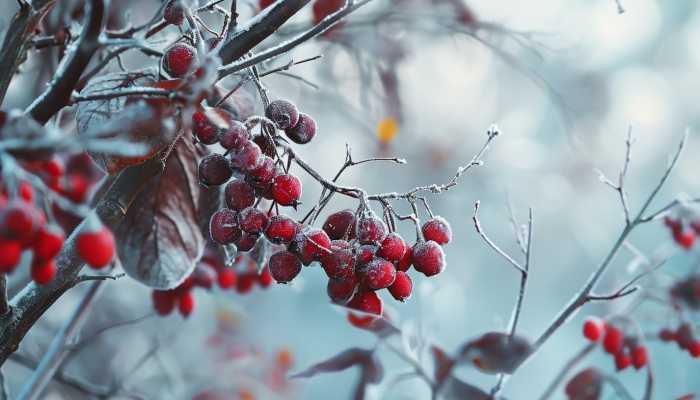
(563, 80)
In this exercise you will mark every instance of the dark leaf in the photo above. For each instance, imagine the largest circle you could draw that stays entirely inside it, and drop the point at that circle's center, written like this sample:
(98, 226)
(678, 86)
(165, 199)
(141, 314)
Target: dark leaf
(340, 362)
(496, 352)
(443, 364)
(455, 389)
(160, 240)
(586, 385)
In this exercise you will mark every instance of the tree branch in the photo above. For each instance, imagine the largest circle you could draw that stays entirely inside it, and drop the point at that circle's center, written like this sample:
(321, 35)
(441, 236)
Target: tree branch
(4, 307)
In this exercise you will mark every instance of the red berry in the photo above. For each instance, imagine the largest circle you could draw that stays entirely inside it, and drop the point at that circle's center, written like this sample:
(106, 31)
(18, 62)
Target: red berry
(239, 195)
(252, 220)
(48, 243)
(323, 8)
(613, 340)
(248, 158)
(593, 329)
(402, 287)
(284, 266)
(185, 303)
(378, 274)
(265, 3)
(19, 220)
(684, 239)
(622, 361)
(694, 349)
(163, 301)
(341, 290)
(428, 258)
(392, 247)
(283, 113)
(405, 263)
(223, 226)
(673, 224)
(340, 263)
(75, 188)
(247, 242)
(340, 224)
(174, 14)
(684, 336)
(281, 229)
(10, 255)
(438, 230)
(226, 278)
(371, 230)
(209, 123)
(96, 248)
(586, 385)
(179, 59)
(245, 283)
(303, 131)
(366, 253)
(667, 335)
(366, 302)
(43, 272)
(265, 278)
(263, 174)
(640, 357)
(286, 189)
(214, 170)
(310, 244)
(25, 191)
(53, 168)
(235, 137)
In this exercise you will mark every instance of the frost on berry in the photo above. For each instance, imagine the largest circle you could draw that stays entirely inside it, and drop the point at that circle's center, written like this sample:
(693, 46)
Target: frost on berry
(392, 248)
(174, 14)
(406, 261)
(281, 229)
(286, 189)
(378, 274)
(283, 113)
(214, 170)
(438, 230)
(247, 158)
(262, 176)
(340, 224)
(402, 287)
(209, 123)
(267, 146)
(339, 263)
(341, 290)
(428, 258)
(303, 131)
(310, 244)
(366, 253)
(367, 303)
(252, 220)
(284, 266)
(239, 195)
(370, 230)
(247, 241)
(235, 137)
(223, 227)
(179, 59)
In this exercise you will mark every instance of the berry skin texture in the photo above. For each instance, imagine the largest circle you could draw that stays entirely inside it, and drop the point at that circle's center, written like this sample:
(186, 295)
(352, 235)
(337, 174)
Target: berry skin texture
(378, 274)
(247, 158)
(96, 248)
(281, 229)
(284, 266)
(185, 303)
(640, 357)
(163, 302)
(208, 123)
(214, 170)
(178, 59)
(406, 261)
(593, 329)
(303, 131)
(235, 137)
(341, 290)
(371, 230)
(392, 247)
(366, 302)
(366, 253)
(239, 195)
(174, 14)
(339, 264)
(613, 340)
(438, 230)
(247, 242)
(311, 244)
(402, 287)
(286, 189)
(428, 258)
(223, 227)
(226, 278)
(48, 243)
(10, 255)
(283, 113)
(43, 272)
(253, 221)
(340, 224)
(263, 174)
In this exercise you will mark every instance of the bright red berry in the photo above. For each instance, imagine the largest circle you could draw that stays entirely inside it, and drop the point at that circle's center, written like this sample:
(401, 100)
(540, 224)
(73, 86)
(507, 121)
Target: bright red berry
(214, 170)
(640, 357)
(340, 224)
(428, 258)
(593, 329)
(53, 168)
(402, 287)
(96, 248)
(174, 14)
(179, 59)
(226, 278)
(392, 247)
(163, 301)
(303, 131)
(235, 137)
(25, 191)
(622, 361)
(339, 263)
(367, 303)
(185, 303)
(75, 187)
(10, 255)
(265, 278)
(613, 339)
(310, 244)
(248, 158)
(209, 123)
(371, 230)
(263, 174)
(48, 243)
(284, 266)
(253, 220)
(341, 290)
(438, 230)
(684, 239)
(694, 349)
(286, 189)
(378, 274)
(19, 220)
(223, 226)
(245, 283)
(366, 253)
(239, 195)
(43, 272)
(283, 113)
(406, 261)
(281, 229)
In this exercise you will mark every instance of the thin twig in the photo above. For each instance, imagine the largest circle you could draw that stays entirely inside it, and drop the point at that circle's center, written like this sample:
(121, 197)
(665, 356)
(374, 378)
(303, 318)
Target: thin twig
(566, 369)
(494, 246)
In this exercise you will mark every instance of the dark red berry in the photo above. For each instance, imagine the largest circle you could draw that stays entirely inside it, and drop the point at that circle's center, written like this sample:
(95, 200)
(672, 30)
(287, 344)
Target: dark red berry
(48, 243)
(265, 3)
(179, 59)
(339, 263)
(203, 277)
(341, 290)
(303, 131)
(247, 241)
(163, 301)
(402, 287)
(226, 278)
(323, 8)
(265, 278)
(267, 146)
(223, 226)
(174, 14)
(43, 272)
(428, 258)
(19, 220)
(694, 349)
(286, 189)
(245, 282)
(593, 329)
(685, 239)
(406, 261)
(340, 224)
(96, 248)
(640, 357)
(10, 255)
(586, 385)
(371, 230)
(185, 303)
(284, 266)
(209, 123)
(283, 113)
(667, 335)
(366, 253)
(214, 170)
(392, 247)
(235, 137)
(239, 195)
(438, 230)
(281, 229)
(54, 168)
(310, 244)
(264, 173)
(252, 220)
(378, 274)
(613, 340)
(367, 303)
(247, 158)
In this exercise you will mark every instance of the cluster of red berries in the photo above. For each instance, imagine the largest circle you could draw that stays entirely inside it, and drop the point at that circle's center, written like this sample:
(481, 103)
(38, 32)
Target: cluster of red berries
(684, 338)
(625, 349)
(683, 232)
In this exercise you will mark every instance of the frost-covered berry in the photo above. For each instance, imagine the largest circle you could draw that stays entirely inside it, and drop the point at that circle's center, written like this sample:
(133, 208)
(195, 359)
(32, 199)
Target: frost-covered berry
(179, 59)
(303, 131)
(247, 158)
(378, 274)
(281, 229)
(406, 261)
(283, 113)
(438, 230)
(367, 303)
(341, 290)
(284, 266)
(247, 241)
(223, 226)
(235, 137)
(208, 123)
(340, 224)
(310, 244)
(214, 170)
(96, 247)
(263, 174)
(239, 195)
(339, 263)
(428, 258)
(371, 230)
(366, 253)
(392, 248)
(174, 14)
(252, 220)
(286, 189)
(48, 243)
(402, 287)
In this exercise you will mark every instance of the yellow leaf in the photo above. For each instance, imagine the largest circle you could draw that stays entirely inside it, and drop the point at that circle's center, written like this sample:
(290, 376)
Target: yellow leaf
(387, 129)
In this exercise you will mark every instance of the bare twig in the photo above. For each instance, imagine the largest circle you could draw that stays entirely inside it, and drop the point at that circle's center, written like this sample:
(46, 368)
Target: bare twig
(620, 186)
(566, 369)
(494, 246)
